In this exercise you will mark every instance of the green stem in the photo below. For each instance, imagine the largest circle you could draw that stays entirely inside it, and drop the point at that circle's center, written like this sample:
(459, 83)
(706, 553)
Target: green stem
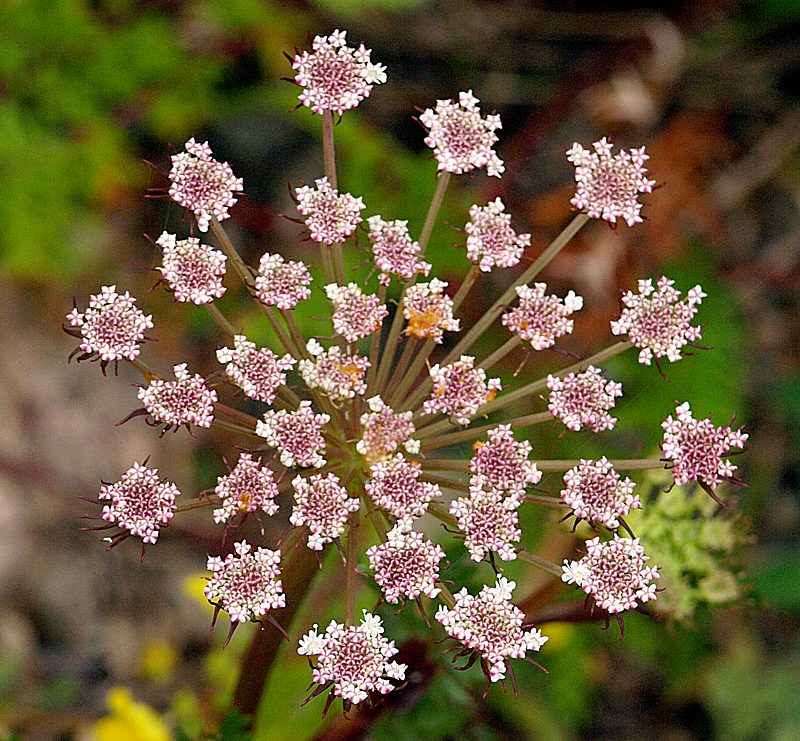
(220, 319)
(497, 308)
(462, 466)
(445, 441)
(511, 344)
(540, 563)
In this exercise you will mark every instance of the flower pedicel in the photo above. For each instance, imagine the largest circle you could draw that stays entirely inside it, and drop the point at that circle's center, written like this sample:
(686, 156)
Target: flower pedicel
(370, 435)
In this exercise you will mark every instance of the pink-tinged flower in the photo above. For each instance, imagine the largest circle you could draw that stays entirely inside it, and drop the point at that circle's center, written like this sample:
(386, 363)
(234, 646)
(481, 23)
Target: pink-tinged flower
(490, 522)
(296, 435)
(336, 374)
(657, 321)
(331, 217)
(608, 187)
(461, 140)
(541, 318)
(185, 401)
(697, 448)
(257, 371)
(502, 463)
(192, 270)
(282, 283)
(140, 502)
(429, 311)
(394, 251)
(247, 585)
(336, 77)
(490, 239)
(383, 431)
(460, 389)
(491, 625)
(112, 326)
(597, 493)
(583, 400)
(355, 315)
(353, 660)
(406, 565)
(202, 185)
(614, 574)
(395, 487)
(321, 503)
(249, 487)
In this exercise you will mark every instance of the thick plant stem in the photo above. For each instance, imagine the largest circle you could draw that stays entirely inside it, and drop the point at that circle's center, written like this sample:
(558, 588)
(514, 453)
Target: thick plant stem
(329, 168)
(374, 348)
(496, 309)
(465, 287)
(472, 433)
(412, 345)
(411, 374)
(299, 568)
(390, 347)
(350, 569)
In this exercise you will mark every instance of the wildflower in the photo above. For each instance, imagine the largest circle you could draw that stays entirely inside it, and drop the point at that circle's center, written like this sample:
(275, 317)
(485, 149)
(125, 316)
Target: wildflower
(139, 502)
(202, 185)
(614, 574)
(282, 283)
(405, 565)
(490, 239)
(394, 251)
(609, 186)
(355, 315)
(330, 217)
(321, 503)
(247, 488)
(353, 660)
(194, 271)
(112, 327)
(459, 389)
(184, 401)
(297, 435)
(583, 399)
(395, 487)
(541, 319)
(461, 140)
(596, 493)
(697, 448)
(336, 77)
(657, 321)
(491, 625)
(502, 463)
(337, 374)
(489, 521)
(246, 585)
(258, 372)
(384, 430)
(429, 311)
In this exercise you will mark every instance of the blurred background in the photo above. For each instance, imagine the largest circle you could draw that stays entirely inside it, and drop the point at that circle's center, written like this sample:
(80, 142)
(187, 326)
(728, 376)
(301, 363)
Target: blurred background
(95, 96)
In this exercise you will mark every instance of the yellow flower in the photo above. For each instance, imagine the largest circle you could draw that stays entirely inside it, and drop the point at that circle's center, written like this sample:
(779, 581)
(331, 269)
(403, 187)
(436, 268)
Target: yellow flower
(129, 720)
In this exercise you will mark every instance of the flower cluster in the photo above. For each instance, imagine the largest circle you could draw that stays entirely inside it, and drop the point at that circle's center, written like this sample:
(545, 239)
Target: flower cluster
(355, 315)
(334, 76)
(384, 431)
(282, 283)
(491, 625)
(194, 271)
(246, 584)
(460, 138)
(394, 486)
(490, 522)
(321, 503)
(112, 327)
(353, 659)
(608, 187)
(541, 319)
(429, 311)
(330, 217)
(614, 574)
(249, 487)
(202, 185)
(257, 371)
(584, 399)
(490, 239)
(337, 374)
(185, 401)
(657, 321)
(697, 448)
(297, 435)
(460, 389)
(597, 493)
(502, 463)
(394, 251)
(140, 502)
